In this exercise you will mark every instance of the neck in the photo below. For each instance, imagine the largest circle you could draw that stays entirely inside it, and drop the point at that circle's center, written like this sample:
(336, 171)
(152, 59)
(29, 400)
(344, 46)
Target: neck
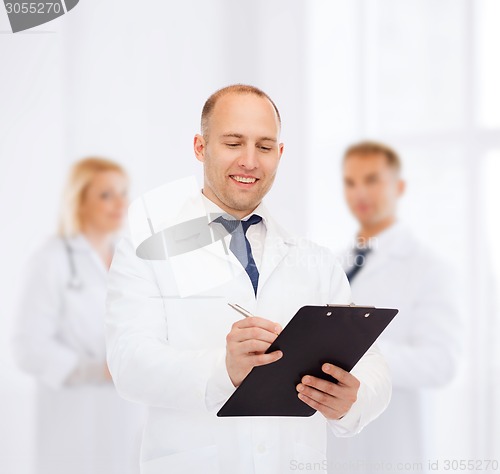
(101, 242)
(368, 231)
(233, 212)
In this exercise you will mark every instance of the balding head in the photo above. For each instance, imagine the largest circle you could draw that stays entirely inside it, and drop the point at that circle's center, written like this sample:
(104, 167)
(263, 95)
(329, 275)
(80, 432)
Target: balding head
(232, 89)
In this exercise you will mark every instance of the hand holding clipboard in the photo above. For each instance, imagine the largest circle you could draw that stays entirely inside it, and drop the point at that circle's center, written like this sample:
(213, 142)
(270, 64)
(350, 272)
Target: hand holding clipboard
(336, 335)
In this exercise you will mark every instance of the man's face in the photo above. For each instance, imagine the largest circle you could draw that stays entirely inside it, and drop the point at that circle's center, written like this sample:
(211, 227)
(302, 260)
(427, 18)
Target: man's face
(240, 153)
(371, 188)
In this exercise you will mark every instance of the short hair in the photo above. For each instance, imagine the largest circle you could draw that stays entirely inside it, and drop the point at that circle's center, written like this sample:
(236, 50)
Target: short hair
(236, 89)
(80, 177)
(369, 147)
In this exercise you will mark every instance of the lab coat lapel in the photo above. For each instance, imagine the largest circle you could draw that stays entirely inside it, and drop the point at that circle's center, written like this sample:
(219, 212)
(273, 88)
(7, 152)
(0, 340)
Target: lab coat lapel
(374, 262)
(276, 247)
(80, 244)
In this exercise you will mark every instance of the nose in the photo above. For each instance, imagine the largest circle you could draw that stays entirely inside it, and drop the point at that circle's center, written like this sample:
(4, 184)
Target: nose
(248, 158)
(358, 191)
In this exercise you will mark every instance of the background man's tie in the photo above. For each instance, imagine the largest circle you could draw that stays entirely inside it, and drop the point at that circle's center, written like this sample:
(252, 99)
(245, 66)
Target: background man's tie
(240, 245)
(359, 261)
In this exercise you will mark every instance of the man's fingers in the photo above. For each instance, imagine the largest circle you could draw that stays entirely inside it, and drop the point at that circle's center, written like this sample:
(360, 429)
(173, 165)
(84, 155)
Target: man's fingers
(326, 411)
(343, 377)
(316, 395)
(322, 385)
(247, 342)
(264, 359)
(333, 400)
(254, 332)
(253, 345)
(325, 402)
(256, 321)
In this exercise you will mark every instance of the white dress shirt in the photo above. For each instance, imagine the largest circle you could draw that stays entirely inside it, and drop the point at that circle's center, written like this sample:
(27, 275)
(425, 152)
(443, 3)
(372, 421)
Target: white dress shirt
(256, 234)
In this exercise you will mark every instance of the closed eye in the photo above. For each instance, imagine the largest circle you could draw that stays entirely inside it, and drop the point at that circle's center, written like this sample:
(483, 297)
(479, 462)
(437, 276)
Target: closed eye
(232, 145)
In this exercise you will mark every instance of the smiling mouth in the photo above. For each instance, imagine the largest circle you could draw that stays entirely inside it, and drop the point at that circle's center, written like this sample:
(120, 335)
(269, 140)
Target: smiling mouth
(243, 179)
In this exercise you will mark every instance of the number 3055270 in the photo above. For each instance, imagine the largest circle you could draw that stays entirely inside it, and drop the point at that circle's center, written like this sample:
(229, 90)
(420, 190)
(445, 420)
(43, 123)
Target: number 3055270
(33, 7)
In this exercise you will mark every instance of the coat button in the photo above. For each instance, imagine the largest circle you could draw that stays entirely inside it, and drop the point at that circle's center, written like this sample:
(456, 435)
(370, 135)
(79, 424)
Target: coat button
(261, 448)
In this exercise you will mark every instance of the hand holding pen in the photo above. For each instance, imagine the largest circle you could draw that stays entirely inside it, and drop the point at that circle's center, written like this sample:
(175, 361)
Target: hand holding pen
(247, 343)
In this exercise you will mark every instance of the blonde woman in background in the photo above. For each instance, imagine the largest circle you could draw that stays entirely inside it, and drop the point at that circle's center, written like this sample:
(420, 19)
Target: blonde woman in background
(82, 424)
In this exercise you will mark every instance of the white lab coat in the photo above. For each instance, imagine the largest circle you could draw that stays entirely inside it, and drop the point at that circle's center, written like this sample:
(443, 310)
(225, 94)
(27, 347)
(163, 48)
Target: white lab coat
(85, 428)
(421, 346)
(169, 353)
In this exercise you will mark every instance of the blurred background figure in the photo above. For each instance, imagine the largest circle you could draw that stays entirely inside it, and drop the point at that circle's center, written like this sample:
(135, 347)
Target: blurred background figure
(82, 425)
(388, 267)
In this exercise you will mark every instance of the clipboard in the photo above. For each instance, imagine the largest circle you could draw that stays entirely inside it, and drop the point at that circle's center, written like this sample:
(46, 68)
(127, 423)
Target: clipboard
(336, 334)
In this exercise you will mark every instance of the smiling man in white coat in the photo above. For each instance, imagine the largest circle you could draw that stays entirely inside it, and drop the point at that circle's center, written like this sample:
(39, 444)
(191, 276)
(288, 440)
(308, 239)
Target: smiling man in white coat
(388, 266)
(185, 356)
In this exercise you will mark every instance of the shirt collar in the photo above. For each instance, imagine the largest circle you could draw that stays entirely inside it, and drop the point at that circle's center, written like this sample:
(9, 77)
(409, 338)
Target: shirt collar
(213, 211)
(373, 242)
(382, 238)
(78, 242)
(396, 240)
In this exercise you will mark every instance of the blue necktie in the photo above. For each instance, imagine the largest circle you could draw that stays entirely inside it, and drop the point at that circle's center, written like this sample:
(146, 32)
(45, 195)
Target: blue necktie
(240, 246)
(359, 261)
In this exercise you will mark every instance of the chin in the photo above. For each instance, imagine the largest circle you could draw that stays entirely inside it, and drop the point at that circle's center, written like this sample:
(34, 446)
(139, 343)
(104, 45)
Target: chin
(245, 206)
(238, 204)
(111, 228)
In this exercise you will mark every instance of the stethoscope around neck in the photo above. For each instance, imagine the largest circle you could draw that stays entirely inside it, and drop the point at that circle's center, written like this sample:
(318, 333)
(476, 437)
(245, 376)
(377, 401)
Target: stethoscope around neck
(74, 282)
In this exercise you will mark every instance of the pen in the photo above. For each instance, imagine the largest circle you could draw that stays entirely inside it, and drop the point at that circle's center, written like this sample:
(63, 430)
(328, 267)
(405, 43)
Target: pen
(241, 310)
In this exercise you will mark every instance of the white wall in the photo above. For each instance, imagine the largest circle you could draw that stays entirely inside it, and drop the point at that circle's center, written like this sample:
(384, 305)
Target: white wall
(32, 164)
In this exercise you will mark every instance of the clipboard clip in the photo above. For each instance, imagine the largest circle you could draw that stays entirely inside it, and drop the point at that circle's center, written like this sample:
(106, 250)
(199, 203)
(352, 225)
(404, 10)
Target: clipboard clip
(351, 305)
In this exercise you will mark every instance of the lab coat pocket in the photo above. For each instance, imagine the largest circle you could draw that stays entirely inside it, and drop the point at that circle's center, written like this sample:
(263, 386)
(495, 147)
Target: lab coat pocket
(186, 462)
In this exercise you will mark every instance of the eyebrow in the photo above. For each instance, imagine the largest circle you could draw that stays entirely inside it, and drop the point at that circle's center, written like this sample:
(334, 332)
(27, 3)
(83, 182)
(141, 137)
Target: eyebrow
(239, 135)
(270, 139)
(233, 135)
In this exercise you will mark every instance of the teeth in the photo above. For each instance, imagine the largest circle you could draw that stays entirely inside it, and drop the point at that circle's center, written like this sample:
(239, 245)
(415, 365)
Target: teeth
(241, 179)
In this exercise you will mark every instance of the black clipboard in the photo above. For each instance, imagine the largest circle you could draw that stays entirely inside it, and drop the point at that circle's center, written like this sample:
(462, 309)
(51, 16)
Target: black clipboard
(316, 334)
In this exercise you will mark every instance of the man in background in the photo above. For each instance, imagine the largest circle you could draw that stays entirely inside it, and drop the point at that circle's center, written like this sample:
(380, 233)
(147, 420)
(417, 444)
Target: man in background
(388, 267)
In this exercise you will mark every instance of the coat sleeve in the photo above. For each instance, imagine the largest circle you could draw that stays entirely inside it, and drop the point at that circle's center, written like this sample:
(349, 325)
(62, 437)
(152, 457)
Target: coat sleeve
(431, 357)
(145, 368)
(35, 343)
(372, 372)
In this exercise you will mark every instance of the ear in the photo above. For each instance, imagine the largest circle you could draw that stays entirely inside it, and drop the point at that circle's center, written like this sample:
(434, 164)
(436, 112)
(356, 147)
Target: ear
(401, 187)
(199, 145)
(281, 147)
